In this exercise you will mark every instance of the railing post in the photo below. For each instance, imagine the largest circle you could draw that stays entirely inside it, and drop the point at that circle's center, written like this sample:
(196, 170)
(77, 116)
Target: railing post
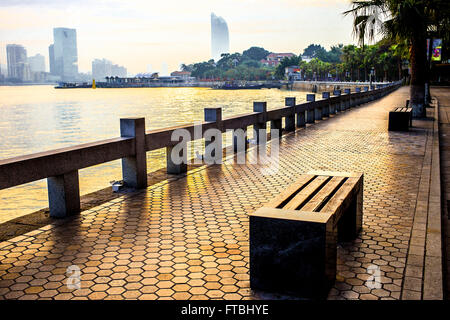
(366, 95)
(301, 121)
(134, 168)
(214, 115)
(372, 92)
(326, 109)
(357, 99)
(337, 106)
(260, 128)
(176, 168)
(290, 120)
(276, 125)
(240, 141)
(310, 111)
(64, 195)
(347, 99)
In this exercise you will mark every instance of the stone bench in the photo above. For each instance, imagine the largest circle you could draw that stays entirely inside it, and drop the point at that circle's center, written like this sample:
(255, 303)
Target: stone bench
(400, 119)
(293, 238)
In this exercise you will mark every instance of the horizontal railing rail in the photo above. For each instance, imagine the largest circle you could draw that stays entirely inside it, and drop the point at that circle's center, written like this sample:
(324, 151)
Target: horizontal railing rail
(60, 166)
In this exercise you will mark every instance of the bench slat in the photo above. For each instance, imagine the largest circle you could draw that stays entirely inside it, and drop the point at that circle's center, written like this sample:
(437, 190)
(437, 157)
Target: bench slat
(303, 195)
(323, 194)
(304, 179)
(341, 199)
(334, 174)
(402, 109)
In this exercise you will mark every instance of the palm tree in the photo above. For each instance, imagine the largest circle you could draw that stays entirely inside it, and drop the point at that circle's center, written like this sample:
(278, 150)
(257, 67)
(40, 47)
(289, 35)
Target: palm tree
(407, 20)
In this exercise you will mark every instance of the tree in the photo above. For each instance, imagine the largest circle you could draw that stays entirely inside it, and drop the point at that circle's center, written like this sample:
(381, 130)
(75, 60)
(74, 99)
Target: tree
(185, 67)
(199, 69)
(286, 62)
(348, 57)
(255, 53)
(407, 20)
(334, 55)
(314, 51)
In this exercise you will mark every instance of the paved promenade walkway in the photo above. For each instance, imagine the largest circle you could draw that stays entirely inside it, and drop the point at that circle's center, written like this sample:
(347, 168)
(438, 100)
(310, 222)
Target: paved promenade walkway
(188, 238)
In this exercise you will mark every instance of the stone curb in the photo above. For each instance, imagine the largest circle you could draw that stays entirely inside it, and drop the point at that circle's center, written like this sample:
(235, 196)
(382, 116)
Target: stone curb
(424, 269)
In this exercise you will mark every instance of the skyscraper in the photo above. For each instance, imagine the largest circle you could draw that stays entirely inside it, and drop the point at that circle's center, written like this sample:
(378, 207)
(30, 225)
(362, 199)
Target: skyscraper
(37, 63)
(51, 59)
(105, 68)
(18, 67)
(65, 53)
(220, 42)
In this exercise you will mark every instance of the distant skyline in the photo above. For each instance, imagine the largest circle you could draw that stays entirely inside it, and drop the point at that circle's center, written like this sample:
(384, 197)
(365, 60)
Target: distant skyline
(220, 40)
(139, 33)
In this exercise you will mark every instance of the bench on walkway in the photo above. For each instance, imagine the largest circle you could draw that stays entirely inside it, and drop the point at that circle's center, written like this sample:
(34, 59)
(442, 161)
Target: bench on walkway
(400, 119)
(293, 238)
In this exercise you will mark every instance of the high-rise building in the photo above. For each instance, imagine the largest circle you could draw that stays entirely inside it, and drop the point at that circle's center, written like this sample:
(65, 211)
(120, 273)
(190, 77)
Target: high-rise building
(37, 63)
(51, 59)
(105, 68)
(18, 67)
(65, 53)
(220, 42)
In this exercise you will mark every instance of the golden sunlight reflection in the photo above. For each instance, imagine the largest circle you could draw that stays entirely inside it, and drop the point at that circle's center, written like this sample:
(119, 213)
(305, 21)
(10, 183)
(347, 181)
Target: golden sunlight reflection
(40, 118)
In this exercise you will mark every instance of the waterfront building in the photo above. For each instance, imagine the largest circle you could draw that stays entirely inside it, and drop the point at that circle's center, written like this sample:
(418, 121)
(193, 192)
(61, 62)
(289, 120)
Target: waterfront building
(39, 77)
(273, 59)
(37, 63)
(65, 54)
(184, 75)
(51, 59)
(293, 73)
(18, 67)
(220, 42)
(104, 68)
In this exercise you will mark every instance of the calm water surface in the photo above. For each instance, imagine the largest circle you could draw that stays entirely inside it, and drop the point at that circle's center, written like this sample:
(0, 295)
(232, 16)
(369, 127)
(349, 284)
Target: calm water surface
(39, 118)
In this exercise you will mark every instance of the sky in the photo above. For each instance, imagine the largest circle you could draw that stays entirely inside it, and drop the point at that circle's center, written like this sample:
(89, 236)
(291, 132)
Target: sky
(146, 34)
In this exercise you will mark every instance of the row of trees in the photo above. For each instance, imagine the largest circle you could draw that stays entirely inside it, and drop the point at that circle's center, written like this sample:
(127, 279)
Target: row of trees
(378, 62)
(408, 22)
(245, 66)
(339, 63)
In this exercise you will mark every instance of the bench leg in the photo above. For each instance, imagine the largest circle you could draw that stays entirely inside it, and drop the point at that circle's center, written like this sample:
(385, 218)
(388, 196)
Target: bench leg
(292, 257)
(399, 121)
(350, 223)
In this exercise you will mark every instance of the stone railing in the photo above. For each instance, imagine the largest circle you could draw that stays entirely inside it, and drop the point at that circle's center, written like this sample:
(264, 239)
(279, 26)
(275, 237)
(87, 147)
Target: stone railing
(61, 166)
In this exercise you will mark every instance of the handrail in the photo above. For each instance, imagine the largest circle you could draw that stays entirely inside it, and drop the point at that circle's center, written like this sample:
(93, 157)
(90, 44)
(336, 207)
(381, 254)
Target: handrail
(32, 167)
(61, 166)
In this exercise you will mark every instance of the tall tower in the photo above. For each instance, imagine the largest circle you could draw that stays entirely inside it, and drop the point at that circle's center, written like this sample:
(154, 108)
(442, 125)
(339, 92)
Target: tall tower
(18, 67)
(65, 53)
(220, 42)
(51, 59)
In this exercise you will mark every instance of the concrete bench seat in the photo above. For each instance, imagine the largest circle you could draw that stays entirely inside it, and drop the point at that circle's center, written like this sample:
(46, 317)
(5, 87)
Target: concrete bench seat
(400, 119)
(293, 238)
